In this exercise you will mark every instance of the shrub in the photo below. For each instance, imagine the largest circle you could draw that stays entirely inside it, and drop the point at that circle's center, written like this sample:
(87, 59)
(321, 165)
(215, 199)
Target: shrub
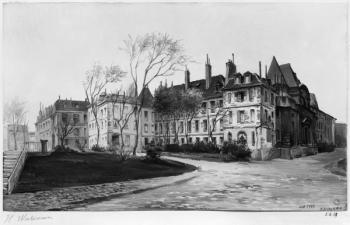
(325, 147)
(205, 147)
(97, 148)
(172, 148)
(153, 152)
(186, 148)
(122, 155)
(235, 151)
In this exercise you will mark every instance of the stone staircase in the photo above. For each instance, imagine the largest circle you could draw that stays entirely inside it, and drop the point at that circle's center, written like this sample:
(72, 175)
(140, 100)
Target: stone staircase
(13, 162)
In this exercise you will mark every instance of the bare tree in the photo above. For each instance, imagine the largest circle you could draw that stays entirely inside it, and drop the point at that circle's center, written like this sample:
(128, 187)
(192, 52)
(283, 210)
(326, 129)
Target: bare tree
(151, 56)
(96, 80)
(220, 114)
(121, 112)
(14, 114)
(191, 105)
(65, 126)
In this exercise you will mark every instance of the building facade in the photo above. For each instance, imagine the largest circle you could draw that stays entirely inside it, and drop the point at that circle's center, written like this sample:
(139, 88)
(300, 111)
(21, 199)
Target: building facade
(275, 110)
(116, 119)
(17, 136)
(68, 116)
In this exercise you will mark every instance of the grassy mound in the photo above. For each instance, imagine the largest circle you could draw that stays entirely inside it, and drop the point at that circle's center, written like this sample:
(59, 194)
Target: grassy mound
(64, 169)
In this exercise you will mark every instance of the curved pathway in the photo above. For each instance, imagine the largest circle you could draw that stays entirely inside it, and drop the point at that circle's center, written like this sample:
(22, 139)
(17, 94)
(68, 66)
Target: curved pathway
(299, 184)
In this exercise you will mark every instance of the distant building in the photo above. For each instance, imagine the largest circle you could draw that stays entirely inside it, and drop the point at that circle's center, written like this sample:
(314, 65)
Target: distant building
(17, 136)
(50, 120)
(110, 132)
(341, 134)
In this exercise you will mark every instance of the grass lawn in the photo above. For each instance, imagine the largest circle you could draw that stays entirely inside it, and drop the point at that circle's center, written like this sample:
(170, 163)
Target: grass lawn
(75, 169)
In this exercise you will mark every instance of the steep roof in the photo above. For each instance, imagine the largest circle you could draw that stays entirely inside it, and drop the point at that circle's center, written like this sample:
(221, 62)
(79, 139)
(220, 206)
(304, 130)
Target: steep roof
(313, 100)
(289, 75)
(214, 90)
(148, 97)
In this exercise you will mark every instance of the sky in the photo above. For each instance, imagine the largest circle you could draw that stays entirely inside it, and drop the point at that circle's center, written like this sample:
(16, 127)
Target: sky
(47, 48)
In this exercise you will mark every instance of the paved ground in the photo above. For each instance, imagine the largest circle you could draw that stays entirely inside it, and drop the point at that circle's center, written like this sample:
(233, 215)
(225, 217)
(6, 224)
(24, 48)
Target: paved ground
(299, 184)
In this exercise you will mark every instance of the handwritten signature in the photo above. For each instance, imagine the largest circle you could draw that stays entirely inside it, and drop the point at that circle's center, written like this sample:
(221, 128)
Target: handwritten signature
(24, 218)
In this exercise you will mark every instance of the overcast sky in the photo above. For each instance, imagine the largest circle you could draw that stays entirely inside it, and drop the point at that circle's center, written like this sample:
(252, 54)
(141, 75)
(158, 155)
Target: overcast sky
(48, 47)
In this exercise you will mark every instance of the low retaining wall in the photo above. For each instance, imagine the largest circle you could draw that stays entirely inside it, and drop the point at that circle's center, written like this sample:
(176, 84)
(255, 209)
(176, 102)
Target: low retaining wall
(283, 153)
(16, 173)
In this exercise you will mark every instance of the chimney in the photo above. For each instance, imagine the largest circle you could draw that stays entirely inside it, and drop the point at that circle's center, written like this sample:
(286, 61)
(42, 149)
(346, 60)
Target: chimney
(228, 70)
(161, 85)
(265, 70)
(207, 73)
(259, 68)
(234, 67)
(187, 78)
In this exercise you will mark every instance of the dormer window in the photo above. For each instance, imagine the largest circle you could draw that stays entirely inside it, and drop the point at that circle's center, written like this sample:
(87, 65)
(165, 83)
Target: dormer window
(238, 80)
(248, 78)
(242, 79)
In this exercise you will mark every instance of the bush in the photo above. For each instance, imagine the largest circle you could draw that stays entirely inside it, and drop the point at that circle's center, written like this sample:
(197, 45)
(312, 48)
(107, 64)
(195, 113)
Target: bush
(122, 155)
(59, 148)
(97, 148)
(235, 151)
(153, 152)
(172, 148)
(186, 148)
(205, 147)
(325, 147)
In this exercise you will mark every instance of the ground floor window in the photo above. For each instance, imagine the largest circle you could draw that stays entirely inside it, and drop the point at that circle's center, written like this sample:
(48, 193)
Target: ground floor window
(115, 139)
(214, 140)
(146, 141)
(127, 140)
(197, 139)
(205, 140)
(182, 140)
(190, 140)
(253, 138)
(221, 140)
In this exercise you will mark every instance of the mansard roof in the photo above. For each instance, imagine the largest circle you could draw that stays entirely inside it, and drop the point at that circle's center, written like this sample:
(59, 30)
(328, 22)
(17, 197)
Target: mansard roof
(255, 80)
(74, 105)
(214, 90)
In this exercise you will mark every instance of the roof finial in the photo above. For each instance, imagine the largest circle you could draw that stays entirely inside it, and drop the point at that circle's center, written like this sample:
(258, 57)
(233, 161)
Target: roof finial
(233, 57)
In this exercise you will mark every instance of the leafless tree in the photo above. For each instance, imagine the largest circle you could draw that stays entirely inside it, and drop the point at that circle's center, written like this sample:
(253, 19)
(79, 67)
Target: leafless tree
(14, 114)
(65, 126)
(96, 80)
(151, 56)
(220, 114)
(121, 112)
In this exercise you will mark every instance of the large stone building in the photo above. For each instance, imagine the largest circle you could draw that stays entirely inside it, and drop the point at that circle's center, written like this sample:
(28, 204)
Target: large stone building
(341, 134)
(116, 111)
(63, 114)
(275, 110)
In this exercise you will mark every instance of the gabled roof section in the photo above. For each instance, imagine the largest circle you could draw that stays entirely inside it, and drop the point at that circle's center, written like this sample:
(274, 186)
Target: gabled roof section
(289, 75)
(147, 97)
(274, 69)
(313, 101)
(255, 80)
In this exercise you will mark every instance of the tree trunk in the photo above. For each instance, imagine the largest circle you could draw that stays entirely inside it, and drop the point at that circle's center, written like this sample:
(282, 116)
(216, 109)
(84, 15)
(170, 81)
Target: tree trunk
(122, 140)
(137, 120)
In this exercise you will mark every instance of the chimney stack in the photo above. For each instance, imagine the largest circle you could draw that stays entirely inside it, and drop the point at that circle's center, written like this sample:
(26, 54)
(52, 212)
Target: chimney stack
(260, 68)
(187, 78)
(207, 73)
(234, 68)
(265, 70)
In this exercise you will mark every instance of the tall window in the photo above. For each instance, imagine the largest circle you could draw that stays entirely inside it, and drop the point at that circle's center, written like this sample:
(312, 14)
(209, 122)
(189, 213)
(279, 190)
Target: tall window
(252, 115)
(230, 117)
(146, 128)
(204, 107)
(160, 128)
(213, 125)
(240, 116)
(229, 97)
(127, 140)
(240, 96)
(221, 124)
(189, 127)
(146, 115)
(253, 138)
(205, 125)
(212, 106)
(181, 127)
(251, 96)
(221, 103)
(196, 125)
